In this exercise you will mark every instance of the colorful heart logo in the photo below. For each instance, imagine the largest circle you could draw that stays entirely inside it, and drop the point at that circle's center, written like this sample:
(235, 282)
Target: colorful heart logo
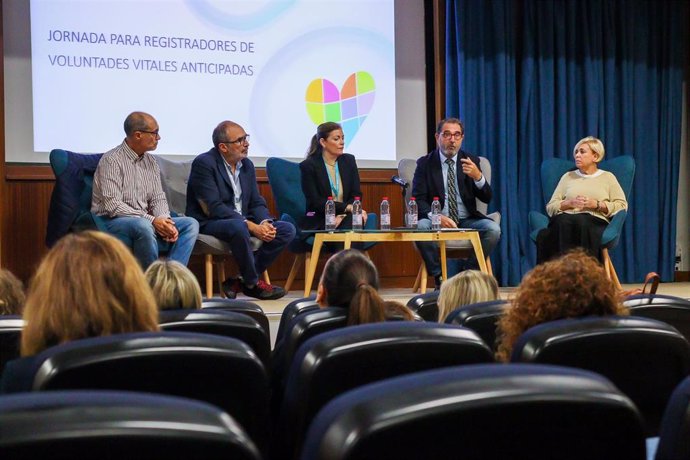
(348, 106)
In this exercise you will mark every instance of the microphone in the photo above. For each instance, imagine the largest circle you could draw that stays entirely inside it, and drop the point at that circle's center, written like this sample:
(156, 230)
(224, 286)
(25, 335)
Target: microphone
(401, 182)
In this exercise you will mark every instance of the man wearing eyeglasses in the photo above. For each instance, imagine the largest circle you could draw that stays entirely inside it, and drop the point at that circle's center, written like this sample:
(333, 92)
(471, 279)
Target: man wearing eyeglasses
(127, 191)
(454, 176)
(223, 195)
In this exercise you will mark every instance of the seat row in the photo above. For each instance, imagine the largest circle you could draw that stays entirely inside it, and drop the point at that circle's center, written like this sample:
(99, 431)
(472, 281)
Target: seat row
(643, 357)
(469, 412)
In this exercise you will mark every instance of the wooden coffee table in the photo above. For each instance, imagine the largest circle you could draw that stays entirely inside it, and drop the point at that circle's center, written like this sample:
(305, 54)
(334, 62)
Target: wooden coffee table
(347, 237)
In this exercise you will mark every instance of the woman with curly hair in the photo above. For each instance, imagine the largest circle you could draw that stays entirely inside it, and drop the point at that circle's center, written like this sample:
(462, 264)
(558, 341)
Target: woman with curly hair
(573, 286)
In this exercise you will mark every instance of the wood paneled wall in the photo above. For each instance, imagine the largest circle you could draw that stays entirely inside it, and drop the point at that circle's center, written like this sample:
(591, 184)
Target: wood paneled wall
(26, 199)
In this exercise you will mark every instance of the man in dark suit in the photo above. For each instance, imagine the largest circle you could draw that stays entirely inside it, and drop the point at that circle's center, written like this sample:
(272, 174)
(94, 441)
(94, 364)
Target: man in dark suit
(454, 176)
(222, 194)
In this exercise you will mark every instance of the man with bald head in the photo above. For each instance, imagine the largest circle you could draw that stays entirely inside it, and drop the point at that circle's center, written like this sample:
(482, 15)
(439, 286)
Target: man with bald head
(128, 193)
(223, 195)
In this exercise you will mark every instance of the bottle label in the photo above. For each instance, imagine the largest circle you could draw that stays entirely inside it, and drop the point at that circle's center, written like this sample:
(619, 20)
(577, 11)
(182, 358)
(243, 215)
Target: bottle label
(385, 220)
(330, 221)
(357, 219)
(412, 220)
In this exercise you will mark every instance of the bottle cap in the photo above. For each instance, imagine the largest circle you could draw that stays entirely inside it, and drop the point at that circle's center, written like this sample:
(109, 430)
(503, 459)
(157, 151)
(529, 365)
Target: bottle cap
(435, 198)
(385, 198)
(413, 198)
(330, 197)
(356, 198)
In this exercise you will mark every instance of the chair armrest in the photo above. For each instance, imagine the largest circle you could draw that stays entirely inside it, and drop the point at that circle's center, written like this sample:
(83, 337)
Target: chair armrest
(495, 216)
(613, 230)
(537, 222)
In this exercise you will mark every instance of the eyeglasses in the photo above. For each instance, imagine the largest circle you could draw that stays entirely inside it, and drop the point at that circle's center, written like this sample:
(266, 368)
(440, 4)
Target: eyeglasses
(447, 135)
(155, 133)
(239, 140)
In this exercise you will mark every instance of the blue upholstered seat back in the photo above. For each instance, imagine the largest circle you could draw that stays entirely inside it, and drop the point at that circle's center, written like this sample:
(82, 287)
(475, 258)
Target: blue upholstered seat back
(70, 203)
(286, 183)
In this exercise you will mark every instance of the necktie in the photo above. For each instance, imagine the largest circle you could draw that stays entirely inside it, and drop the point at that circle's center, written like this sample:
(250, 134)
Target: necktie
(452, 195)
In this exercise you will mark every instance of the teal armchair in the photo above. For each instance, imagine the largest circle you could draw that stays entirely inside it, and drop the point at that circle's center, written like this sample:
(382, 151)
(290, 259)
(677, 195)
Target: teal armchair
(623, 167)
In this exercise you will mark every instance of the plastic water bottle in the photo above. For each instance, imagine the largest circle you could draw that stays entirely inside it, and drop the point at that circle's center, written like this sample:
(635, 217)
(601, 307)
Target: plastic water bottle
(330, 214)
(385, 214)
(436, 214)
(412, 213)
(356, 214)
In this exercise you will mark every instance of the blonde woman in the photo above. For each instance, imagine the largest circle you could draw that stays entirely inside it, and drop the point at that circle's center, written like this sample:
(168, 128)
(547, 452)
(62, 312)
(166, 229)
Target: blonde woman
(582, 205)
(11, 294)
(174, 285)
(88, 285)
(465, 288)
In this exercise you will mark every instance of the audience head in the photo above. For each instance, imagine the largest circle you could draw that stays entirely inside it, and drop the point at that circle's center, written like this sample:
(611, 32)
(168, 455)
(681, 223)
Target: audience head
(595, 145)
(142, 132)
(323, 131)
(173, 285)
(11, 293)
(350, 280)
(88, 285)
(572, 286)
(465, 288)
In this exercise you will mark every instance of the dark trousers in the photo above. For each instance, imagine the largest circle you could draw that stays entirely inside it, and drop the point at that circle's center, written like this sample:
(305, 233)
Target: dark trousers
(251, 263)
(570, 231)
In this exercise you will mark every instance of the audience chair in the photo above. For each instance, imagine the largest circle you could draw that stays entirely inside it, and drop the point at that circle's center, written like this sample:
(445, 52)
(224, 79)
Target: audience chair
(239, 306)
(299, 330)
(174, 177)
(97, 425)
(222, 323)
(425, 305)
(334, 362)
(645, 358)
(669, 309)
(292, 310)
(10, 338)
(456, 249)
(674, 435)
(552, 169)
(483, 411)
(218, 370)
(481, 318)
(285, 179)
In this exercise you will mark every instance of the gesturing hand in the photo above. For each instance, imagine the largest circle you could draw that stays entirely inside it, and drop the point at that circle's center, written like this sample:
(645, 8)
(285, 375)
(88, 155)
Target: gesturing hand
(470, 169)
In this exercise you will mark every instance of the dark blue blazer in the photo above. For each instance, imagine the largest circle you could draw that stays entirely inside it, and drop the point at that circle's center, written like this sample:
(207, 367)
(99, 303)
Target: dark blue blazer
(210, 195)
(428, 183)
(317, 188)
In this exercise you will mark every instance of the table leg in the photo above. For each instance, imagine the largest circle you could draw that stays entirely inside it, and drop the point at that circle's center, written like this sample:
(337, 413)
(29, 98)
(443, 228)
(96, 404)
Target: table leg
(478, 251)
(347, 244)
(315, 251)
(444, 260)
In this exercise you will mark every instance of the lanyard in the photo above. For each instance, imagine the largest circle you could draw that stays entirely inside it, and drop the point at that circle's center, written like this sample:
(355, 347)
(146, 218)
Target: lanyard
(335, 188)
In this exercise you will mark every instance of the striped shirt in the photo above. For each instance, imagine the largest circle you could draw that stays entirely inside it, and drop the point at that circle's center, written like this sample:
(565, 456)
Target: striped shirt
(127, 185)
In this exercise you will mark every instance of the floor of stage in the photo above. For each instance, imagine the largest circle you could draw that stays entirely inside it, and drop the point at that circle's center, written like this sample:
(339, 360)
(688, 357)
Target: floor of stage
(274, 308)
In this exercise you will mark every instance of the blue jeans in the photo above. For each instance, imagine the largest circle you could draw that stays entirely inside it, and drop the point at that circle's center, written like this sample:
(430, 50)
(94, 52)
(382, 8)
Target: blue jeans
(489, 234)
(139, 234)
(236, 233)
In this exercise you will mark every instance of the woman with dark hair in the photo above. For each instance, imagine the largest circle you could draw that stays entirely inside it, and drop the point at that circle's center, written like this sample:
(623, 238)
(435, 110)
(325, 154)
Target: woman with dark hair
(350, 280)
(327, 171)
(572, 286)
